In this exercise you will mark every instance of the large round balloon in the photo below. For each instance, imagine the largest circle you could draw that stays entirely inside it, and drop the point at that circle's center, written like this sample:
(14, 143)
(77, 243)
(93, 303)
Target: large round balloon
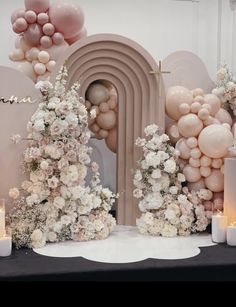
(38, 6)
(68, 18)
(33, 34)
(111, 140)
(107, 121)
(190, 125)
(224, 117)
(215, 182)
(192, 174)
(196, 186)
(215, 140)
(176, 96)
(214, 102)
(97, 93)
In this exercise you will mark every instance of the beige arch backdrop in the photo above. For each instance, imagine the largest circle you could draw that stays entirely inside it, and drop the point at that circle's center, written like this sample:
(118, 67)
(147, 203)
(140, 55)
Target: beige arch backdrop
(127, 66)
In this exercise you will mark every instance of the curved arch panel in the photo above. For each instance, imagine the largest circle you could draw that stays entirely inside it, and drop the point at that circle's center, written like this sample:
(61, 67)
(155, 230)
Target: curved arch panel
(127, 66)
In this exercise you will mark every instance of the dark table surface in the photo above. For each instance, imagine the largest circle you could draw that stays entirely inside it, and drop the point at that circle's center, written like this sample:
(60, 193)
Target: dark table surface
(217, 263)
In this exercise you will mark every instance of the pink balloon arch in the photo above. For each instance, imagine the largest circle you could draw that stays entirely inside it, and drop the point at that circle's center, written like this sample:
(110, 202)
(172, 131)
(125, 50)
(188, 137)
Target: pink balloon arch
(44, 33)
(201, 132)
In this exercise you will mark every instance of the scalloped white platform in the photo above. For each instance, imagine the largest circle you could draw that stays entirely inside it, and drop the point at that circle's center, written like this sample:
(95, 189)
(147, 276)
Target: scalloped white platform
(126, 245)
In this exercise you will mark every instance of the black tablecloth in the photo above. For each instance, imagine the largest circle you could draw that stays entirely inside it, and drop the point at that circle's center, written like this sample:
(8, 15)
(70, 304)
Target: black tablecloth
(217, 263)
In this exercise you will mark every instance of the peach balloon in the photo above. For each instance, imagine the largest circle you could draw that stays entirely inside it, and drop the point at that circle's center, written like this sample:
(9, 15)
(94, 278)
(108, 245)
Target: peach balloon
(33, 34)
(38, 6)
(97, 93)
(215, 182)
(95, 128)
(30, 16)
(42, 19)
(224, 117)
(111, 140)
(205, 161)
(80, 35)
(176, 96)
(107, 121)
(57, 38)
(195, 153)
(43, 57)
(195, 107)
(48, 29)
(214, 102)
(199, 99)
(62, 11)
(112, 103)
(190, 125)
(103, 133)
(46, 42)
(198, 92)
(209, 121)
(192, 174)
(26, 68)
(17, 14)
(40, 68)
(20, 25)
(51, 65)
(217, 163)
(197, 186)
(192, 142)
(218, 196)
(17, 55)
(172, 131)
(56, 51)
(205, 171)
(215, 140)
(218, 206)
(104, 107)
(208, 205)
(206, 106)
(184, 108)
(227, 126)
(194, 162)
(33, 53)
(222, 169)
(203, 114)
(182, 147)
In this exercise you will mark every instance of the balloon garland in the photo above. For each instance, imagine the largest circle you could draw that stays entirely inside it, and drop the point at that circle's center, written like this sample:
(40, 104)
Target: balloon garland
(102, 97)
(201, 132)
(44, 32)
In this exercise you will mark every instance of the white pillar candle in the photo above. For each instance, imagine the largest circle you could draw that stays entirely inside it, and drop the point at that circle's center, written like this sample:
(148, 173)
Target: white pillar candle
(219, 227)
(5, 246)
(230, 190)
(2, 218)
(231, 235)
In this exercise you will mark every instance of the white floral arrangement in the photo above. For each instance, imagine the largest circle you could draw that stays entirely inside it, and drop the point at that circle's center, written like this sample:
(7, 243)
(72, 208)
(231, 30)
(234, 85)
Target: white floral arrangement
(55, 204)
(168, 209)
(226, 88)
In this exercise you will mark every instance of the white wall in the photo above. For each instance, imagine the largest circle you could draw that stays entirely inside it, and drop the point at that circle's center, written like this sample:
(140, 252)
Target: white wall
(161, 26)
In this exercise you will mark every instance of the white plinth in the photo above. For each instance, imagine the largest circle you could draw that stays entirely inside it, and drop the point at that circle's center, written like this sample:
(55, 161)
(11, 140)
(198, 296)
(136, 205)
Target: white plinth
(126, 245)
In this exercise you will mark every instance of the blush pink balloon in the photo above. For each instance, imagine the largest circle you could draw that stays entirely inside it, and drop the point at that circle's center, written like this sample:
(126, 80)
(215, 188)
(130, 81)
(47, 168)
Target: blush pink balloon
(23, 45)
(61, 12)
(190, 125)
(46, 42)
(172, 131)
(192, 174)
(57, 38)
(111, 140)
(38, 6)
(15, 29)
(182, 147)
(176, 96)
(214, 102)
(56, 51)
(21, 24)
(83, 33)
(208, 205)
(26, 68)
(42, 19)
(33, 34)
(107, 121)
(30, 16)
(48, 29)
(224, 117)
(17, 14)
(215, 182)
(215, 140)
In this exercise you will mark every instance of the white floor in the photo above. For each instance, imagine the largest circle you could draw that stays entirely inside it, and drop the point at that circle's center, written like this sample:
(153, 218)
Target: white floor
(126, 245)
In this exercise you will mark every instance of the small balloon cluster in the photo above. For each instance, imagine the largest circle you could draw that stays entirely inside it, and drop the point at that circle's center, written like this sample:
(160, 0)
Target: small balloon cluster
(201, 132)
(102, 97)
(45, 32)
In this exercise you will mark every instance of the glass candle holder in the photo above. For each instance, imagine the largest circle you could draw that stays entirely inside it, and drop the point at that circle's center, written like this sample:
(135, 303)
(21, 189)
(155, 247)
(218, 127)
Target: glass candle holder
(6, 244)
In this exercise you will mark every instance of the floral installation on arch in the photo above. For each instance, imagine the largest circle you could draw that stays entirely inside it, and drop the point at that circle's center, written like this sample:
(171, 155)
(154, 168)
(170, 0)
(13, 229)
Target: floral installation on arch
(168, 209)
(226, 88)
(55, 204)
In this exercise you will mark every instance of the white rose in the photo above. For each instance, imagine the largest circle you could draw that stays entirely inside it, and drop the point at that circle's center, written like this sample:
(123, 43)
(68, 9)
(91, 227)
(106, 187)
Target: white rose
(152, 159)
(138, 176)
(98, 225)
(59, 202)
(181, 177)
(151, 129)
(14, 193)
(39, 125)
(53, 182)
(138, 193)
(173, 190)
(72, 120)
(37, 235)
(26, 185)
(44, 165)
(58, 127)
(52, 237)
(65, 220)
(156, 174)
(170, 166)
